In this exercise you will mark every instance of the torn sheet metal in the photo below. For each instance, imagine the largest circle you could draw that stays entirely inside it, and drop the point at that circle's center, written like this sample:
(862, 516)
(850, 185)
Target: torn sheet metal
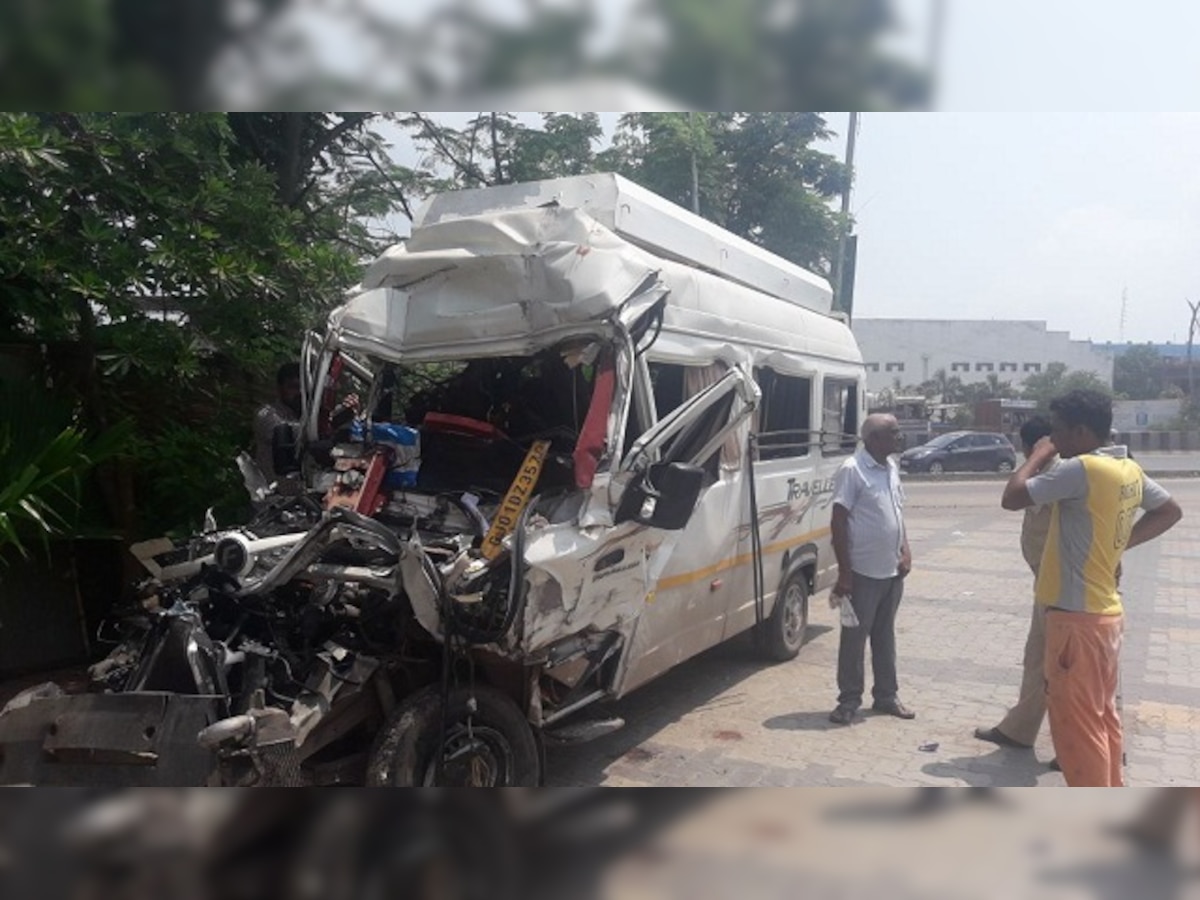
(508, 281)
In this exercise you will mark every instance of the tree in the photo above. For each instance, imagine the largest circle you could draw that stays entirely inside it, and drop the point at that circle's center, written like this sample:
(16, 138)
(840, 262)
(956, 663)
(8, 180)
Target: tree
(1042, 386)
(1137, 373)
(998, 388)
(947, 388)
(757, 174)
(821, 55)
(495, 148)
(1080, 380)
(157, 262)
(1045, 386)
(44, 457)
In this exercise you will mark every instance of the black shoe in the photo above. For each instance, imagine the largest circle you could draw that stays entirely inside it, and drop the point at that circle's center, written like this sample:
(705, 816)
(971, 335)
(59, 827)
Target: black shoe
(843, 715)
(894, 708)
(996, 736)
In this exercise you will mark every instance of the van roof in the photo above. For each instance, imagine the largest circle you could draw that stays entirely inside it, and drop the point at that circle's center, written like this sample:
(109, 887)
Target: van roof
(511, 282)
(649, 221)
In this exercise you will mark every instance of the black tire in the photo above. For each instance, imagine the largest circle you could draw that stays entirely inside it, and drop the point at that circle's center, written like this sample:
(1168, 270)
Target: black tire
(783, 632)
(1005, 467)
(936, 468)
(496, 749)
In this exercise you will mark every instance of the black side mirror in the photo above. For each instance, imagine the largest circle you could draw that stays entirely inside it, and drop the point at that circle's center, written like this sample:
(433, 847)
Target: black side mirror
(664, 497)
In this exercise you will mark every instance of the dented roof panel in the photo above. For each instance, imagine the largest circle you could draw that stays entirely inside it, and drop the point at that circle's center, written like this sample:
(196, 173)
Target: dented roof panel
(514, 281)
(503, 278)
(644, 218)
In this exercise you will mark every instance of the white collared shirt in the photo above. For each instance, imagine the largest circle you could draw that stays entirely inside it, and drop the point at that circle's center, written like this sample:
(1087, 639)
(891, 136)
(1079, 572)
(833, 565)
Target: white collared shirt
(872, 494)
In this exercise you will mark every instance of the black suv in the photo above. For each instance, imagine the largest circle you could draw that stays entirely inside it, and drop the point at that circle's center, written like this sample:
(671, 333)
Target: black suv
(961, 451)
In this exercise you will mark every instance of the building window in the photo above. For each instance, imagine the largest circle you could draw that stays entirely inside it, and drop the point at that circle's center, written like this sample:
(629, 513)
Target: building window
(895, 367)
(1033, 367)
(785, 418)
(960, 367)
(985, 367)
(1008, 367)
(872, 367)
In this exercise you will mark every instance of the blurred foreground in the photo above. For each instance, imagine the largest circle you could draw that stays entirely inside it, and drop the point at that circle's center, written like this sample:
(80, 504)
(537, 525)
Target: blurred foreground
(316, 54)
(584, 843)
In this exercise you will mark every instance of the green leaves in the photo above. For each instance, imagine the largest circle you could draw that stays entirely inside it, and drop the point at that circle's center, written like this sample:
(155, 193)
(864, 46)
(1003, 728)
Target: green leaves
(42, 467)
(757, 174)
(155, 257)
(1137, 373)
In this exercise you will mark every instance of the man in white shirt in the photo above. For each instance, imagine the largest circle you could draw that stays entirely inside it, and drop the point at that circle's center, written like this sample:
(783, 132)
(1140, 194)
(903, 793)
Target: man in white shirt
(871, 547)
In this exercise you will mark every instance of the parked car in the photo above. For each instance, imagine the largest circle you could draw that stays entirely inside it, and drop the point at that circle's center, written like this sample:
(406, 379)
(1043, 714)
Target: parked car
(961, 451)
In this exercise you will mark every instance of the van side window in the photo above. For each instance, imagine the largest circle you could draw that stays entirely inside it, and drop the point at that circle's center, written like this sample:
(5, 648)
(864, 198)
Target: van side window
(675, 385)
(668, 386)
(839, 417)
(785, 419)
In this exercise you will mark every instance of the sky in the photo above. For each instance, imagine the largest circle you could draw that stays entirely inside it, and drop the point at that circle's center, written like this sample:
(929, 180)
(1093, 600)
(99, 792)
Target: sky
(1045, 216)
(1049, 216)
(1043, 203)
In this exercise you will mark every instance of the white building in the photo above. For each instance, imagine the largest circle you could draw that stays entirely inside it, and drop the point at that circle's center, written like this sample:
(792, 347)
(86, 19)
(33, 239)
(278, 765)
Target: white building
(1139, 415)
(912, 350)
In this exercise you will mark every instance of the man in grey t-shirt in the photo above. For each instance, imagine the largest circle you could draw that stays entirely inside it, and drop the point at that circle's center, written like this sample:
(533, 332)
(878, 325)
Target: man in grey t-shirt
(873, 559)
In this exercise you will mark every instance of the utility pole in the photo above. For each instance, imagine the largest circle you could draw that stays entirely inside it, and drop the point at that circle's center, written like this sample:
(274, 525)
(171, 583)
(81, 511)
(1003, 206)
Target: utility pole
(844, 226)
(695, 169)
(1195, 308)
(937, 26)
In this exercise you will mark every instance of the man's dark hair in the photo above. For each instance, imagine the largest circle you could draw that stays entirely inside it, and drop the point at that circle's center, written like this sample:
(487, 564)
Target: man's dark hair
(287, 372)
(1091, 409)
(1033, 430)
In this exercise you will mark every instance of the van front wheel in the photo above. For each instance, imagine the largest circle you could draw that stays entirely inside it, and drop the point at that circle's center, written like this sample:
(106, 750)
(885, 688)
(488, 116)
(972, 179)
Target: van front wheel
(782, 634)
(487, 742)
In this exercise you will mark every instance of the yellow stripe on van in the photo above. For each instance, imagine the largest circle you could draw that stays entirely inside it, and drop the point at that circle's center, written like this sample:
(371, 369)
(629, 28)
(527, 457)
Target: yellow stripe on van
(734, 562)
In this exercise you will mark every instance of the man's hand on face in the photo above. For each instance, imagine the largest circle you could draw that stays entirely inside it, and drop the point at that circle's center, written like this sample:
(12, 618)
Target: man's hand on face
(1043, 451)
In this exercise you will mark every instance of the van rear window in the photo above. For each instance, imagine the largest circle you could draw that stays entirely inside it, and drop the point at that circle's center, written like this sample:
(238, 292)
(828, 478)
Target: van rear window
(785, 418)
(839, 417)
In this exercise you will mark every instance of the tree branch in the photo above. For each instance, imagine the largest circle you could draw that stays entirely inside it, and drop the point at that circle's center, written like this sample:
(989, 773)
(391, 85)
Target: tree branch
(496, 150)
(430, 132)
(366, 151)
(349, 122)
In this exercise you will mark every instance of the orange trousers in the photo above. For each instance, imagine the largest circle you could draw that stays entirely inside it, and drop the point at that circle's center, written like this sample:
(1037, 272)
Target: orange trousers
(1082, 653)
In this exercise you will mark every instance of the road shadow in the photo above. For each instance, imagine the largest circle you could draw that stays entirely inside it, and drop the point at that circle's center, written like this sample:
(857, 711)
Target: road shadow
(805, 721)
(1146, 877)
(702, 683)
(916, 805)
(999, 768)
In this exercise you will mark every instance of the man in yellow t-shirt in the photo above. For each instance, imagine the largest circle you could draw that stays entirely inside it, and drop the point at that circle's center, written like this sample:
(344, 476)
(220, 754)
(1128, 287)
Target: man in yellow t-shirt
(1096, 491)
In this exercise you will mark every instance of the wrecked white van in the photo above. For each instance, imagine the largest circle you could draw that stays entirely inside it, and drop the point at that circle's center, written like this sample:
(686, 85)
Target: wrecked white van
(653, 408)
(599, 437)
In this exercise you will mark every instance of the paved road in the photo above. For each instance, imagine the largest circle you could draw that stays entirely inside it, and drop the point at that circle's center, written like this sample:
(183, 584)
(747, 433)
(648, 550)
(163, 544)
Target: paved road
(1183, 461)
(727, 719)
